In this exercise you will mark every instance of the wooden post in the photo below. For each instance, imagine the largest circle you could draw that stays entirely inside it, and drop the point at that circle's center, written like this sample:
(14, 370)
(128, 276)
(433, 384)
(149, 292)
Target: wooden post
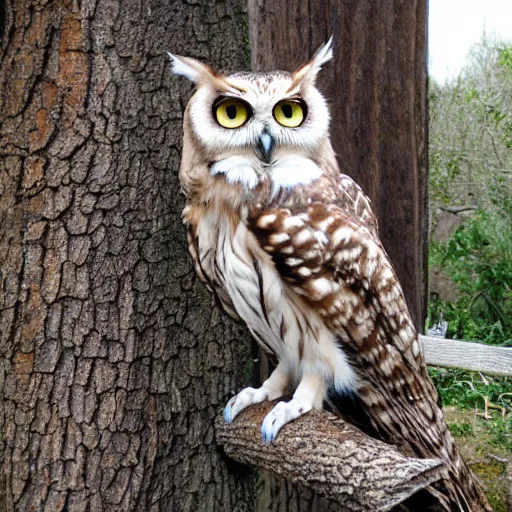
(377, 91)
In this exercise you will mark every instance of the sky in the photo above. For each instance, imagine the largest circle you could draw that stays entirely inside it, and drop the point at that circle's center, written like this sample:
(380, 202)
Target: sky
(456, 25)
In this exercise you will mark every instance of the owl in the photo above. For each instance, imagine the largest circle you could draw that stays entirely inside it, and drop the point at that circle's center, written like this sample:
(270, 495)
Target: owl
(290, 247)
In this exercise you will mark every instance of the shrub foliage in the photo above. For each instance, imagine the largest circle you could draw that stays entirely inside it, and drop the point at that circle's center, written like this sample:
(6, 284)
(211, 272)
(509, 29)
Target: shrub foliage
(471, 166)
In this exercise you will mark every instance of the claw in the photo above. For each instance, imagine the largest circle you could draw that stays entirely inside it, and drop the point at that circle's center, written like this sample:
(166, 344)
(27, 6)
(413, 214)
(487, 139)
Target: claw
(230, 411)
(280, 415)
(228, 414)
(245, 398)
(268, 431)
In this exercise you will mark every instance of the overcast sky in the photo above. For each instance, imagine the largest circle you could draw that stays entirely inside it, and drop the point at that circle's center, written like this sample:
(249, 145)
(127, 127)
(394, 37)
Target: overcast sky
(455, 25)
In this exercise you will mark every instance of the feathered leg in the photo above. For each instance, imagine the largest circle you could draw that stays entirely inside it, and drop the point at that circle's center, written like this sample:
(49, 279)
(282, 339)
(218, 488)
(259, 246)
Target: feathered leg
(274, 387)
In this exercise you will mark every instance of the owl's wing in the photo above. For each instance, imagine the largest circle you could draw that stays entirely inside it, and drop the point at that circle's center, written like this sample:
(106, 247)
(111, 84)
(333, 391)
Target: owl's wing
(339, 266)
(353, 202)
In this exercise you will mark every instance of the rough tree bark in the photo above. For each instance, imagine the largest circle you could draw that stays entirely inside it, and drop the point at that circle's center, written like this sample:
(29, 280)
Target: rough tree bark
(113, 361)
(332, 458)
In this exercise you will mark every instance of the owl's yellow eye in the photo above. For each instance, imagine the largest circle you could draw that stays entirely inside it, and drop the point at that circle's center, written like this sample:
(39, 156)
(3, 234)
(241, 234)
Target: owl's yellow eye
(231, 113)
(290, 113)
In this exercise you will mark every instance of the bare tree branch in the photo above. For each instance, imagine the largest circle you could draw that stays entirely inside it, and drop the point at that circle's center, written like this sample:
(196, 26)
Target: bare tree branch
(331, 457)
(458, 209)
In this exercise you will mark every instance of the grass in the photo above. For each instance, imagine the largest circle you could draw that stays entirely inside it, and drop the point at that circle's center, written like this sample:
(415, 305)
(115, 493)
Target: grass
(483, 435)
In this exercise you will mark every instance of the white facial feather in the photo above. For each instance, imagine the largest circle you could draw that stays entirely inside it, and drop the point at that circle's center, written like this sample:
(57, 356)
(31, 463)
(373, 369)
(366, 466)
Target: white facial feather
(237, 169)
(286, 173)
(293, 171)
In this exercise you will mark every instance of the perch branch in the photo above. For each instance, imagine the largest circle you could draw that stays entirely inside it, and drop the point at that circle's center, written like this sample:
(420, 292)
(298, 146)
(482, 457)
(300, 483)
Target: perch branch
(331, 457)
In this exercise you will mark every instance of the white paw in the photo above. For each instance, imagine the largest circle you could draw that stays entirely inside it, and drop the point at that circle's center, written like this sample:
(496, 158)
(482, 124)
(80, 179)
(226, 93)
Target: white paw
(280, 415)
(245, 398)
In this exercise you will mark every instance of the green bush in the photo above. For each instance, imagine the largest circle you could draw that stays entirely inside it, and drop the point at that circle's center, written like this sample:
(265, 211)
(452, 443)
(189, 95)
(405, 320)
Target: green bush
(478, 259)
(471, 164)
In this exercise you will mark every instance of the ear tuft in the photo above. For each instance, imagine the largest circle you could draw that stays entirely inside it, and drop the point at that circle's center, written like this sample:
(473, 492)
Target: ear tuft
(306, 75)
(323, 55)
(179, 66)
(201, 74)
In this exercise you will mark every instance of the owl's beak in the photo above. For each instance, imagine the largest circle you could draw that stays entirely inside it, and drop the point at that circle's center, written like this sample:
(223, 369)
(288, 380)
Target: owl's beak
(266, 145)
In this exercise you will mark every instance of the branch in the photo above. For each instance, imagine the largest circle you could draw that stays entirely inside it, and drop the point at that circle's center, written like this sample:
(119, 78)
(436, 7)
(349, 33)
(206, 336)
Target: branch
(458, 208)
(331, 457)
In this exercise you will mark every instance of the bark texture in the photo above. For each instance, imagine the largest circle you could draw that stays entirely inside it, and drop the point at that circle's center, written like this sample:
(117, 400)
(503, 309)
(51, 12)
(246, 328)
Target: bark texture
(331, 457)
(113, 361)
(377, 90)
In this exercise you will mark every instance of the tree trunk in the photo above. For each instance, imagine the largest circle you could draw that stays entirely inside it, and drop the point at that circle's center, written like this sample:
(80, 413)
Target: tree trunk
(113, 360)
(377, 91)
(376, 88)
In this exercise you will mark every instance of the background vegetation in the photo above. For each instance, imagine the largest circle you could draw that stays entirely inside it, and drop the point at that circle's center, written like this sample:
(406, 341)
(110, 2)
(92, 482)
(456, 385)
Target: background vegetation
(471, 176)
(471, 167)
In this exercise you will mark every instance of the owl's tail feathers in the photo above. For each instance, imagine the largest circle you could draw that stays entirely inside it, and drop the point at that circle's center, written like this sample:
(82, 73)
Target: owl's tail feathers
(467, 489)
(459, 492)
(462, 489)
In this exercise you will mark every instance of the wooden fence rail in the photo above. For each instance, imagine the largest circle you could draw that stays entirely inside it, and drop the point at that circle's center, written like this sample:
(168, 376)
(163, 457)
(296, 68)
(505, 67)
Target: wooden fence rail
(467, 355)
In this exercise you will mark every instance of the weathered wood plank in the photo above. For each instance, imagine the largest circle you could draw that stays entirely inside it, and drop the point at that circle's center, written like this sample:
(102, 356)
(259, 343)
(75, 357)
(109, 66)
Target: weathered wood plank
(467, 355)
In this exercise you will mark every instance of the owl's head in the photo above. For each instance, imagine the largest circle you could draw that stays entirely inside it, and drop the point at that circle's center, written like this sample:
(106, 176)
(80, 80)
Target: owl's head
(266, 114)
